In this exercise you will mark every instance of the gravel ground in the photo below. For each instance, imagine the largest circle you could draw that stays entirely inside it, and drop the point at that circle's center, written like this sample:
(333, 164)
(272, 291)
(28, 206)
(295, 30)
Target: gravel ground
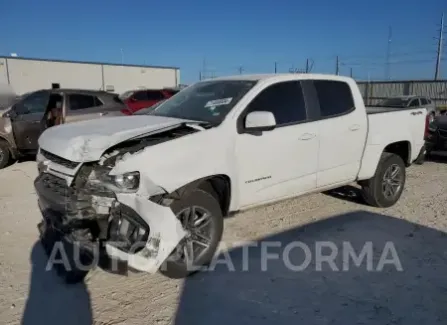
(417, 295)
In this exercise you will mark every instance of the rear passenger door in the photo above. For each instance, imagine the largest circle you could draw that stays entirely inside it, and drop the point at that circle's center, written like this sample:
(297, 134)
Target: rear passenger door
(82, 107)
(342, 129)
(282, 162)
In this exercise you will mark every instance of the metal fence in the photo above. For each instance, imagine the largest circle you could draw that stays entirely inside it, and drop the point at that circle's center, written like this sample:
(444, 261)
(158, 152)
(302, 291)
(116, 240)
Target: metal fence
(375, 91)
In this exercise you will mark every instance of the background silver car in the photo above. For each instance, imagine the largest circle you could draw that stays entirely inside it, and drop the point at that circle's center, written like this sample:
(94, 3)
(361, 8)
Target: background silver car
(412, 101)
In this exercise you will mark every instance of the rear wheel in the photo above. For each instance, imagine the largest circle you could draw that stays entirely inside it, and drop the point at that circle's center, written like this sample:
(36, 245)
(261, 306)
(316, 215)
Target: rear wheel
(4, 154)
(386, 186)
(201, 218)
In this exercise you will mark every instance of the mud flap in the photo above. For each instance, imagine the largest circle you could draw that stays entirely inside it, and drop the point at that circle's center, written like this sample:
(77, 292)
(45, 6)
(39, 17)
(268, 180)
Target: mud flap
(166, 232)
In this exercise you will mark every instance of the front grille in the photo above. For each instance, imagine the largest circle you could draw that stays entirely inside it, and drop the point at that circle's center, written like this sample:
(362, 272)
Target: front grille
(443, 133)
(56, 185)
(59, 160)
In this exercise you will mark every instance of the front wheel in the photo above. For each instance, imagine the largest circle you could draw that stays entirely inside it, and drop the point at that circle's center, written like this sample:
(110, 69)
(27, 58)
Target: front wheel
(201, 218)
(386, 186)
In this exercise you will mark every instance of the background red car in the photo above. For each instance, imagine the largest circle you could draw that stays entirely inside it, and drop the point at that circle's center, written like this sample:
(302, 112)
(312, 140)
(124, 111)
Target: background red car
(143, 98)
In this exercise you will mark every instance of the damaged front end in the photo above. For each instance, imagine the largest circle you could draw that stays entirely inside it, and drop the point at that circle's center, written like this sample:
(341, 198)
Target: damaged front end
(93, 209)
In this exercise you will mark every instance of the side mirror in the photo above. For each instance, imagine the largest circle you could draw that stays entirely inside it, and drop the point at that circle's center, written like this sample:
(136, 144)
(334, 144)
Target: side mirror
(260, 121)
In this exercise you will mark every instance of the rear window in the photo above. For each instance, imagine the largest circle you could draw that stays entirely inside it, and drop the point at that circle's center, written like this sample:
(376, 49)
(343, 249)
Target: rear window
(126, 94)
(117, 99)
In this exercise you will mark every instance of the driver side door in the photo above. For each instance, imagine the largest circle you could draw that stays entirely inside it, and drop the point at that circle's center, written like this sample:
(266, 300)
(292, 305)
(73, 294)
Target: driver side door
(283, 162)
(26, 122)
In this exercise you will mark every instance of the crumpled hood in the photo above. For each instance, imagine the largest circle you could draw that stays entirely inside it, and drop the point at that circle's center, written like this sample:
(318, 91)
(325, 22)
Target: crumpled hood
(87, 140)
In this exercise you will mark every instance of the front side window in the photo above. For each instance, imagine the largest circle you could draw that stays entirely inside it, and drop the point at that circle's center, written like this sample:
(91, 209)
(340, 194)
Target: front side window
(207, 101)
(285, 100)
(140, 96)
(334, 97)
(34, 103)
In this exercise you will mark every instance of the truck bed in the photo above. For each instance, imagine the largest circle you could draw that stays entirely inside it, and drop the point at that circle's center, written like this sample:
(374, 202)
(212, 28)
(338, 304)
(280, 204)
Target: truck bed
(380, 109)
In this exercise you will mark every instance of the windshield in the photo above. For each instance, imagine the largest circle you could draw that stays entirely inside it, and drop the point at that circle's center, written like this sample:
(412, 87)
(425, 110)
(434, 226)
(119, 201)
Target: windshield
(394, 102)
(208, 101)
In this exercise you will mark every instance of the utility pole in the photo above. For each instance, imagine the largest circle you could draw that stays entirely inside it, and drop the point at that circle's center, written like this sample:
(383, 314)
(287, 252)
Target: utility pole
(240, 69)
(350, 72)
(307, 65)
(439, 52)
(276, 66)
(337, 66)
(388, 53)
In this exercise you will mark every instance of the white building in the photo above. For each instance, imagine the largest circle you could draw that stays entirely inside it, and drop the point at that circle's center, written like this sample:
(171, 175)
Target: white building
(25, 74)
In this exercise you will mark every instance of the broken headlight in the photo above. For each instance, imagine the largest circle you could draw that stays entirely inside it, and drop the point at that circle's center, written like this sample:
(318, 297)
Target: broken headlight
(123, 183)
(127, 181)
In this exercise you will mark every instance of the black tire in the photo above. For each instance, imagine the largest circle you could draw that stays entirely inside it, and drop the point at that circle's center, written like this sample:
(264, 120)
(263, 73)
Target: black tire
(373, 189)
(73, 275)
(5, 154)
(197, 198)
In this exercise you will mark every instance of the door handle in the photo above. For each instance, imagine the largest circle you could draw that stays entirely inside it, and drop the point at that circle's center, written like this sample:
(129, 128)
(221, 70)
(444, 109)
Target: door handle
(307, 136)
(416, 113)
(354, 127)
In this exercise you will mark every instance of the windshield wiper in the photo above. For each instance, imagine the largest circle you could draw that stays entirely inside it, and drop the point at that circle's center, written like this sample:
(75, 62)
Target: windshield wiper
(201, 125)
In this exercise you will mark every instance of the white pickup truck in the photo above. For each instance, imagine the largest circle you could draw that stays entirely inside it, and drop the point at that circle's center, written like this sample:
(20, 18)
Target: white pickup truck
(152, 189)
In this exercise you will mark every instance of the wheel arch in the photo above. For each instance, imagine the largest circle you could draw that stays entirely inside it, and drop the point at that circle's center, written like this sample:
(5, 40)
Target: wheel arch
(402, 149)
(217, 185)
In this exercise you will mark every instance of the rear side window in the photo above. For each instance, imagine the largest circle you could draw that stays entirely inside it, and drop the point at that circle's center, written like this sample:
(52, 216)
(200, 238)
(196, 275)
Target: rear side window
(285, 100)
(335, 97)
(155, 95)
(78, 101)
(424, 101)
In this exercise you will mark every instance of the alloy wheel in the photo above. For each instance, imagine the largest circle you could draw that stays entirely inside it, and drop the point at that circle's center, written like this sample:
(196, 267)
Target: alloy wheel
(392, 181)
(197, 223)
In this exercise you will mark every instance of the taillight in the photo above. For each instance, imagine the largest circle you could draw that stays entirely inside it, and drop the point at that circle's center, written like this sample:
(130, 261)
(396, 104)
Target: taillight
(427, 123)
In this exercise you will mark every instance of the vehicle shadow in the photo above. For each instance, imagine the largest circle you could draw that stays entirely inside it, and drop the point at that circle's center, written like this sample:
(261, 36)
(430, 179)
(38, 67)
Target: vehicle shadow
(50, 300)
(401, 280)
(348, 193)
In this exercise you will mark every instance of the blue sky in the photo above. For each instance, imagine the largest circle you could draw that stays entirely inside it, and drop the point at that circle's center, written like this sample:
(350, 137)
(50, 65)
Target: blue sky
(228, 34)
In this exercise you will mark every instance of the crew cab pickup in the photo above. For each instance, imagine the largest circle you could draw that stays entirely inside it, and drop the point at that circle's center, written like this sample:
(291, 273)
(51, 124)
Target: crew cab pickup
(152, 190)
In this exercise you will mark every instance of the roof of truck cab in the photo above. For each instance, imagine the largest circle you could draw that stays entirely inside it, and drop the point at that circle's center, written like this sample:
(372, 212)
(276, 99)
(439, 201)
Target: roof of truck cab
(282, 76)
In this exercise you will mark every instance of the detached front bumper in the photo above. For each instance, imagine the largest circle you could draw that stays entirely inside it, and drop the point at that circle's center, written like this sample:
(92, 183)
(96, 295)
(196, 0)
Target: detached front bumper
(130, 228)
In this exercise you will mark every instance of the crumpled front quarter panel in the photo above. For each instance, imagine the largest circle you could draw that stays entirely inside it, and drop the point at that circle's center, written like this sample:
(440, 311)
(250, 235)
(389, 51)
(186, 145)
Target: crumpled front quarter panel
(165, 234)
(175, 163)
